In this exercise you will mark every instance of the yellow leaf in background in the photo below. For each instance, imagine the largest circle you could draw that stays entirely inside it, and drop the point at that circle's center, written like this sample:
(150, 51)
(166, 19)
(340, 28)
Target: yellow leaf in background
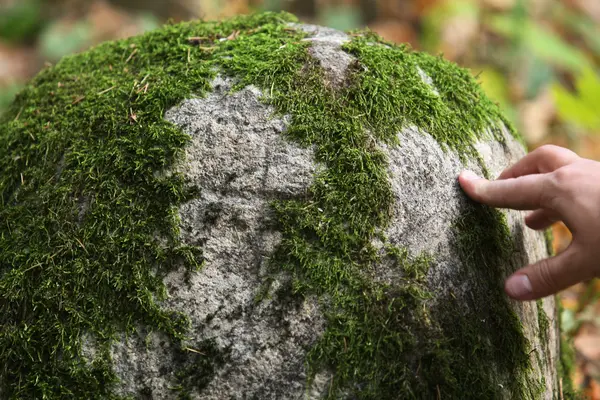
(494, 84)
(588, 87)
(580, 108)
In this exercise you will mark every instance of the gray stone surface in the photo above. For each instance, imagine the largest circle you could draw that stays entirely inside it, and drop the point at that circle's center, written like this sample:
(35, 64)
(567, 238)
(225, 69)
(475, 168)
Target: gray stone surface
(326, 47)
(428, 200)
(240, 161)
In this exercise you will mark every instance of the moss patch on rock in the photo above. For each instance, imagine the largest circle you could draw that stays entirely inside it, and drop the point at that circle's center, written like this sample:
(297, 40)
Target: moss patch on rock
(89, 223)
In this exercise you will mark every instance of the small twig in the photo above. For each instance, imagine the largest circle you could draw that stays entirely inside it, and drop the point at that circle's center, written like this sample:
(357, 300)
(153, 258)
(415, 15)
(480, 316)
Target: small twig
(131, 55)
(132, 115)
(106, 90)
(78, 99)
(234, 35)
(188, 59)
(194, 351)
(439, 396)
(22, 179)
(81, 244)
(144, 88)
(18, 114)
(560, 389)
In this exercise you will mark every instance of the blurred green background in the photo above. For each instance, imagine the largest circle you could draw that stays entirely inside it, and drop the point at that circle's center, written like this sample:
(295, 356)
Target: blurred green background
(538, 59)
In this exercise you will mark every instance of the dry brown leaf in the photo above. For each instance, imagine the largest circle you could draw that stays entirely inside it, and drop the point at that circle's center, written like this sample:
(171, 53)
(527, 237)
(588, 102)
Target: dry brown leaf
(211, 10)
(590, 147)
(562, 237)
(536, 116)
(587, 342)
(500, 4)
(458, 35)
(395, 31)
(16, 64)
(109, 22)
(590, 7)
(234, 35)
(405, 10)
(568, 301)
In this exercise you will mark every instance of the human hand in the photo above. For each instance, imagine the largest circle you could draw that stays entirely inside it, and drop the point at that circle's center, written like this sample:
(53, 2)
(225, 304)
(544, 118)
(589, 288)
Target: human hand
(557, 185)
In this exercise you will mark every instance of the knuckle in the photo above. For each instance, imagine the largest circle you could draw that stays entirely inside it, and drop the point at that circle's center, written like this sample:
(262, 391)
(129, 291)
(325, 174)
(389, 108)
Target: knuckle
(549, 192)
(547, 282)
(550, 150)
(559, 183)
(562, 177)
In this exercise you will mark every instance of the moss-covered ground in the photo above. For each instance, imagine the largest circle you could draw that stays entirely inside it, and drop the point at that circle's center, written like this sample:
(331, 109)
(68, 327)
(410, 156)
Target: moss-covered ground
(88, 227)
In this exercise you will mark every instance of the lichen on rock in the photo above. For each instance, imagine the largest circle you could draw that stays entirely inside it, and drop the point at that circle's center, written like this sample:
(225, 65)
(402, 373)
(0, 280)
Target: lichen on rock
(257, 208)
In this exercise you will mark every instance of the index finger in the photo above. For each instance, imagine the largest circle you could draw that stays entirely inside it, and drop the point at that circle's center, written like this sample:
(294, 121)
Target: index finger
(542, 160)
(528, 192)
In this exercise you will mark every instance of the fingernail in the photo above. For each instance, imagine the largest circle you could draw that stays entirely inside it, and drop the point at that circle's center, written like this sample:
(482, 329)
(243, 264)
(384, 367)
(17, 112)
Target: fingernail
(470, 175)
(518, 286)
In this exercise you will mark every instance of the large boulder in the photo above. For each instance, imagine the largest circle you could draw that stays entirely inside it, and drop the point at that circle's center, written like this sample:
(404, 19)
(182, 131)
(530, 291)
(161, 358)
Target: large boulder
(259, 209)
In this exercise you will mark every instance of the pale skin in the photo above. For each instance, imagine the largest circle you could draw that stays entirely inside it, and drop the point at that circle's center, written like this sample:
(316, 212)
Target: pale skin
(555, 184)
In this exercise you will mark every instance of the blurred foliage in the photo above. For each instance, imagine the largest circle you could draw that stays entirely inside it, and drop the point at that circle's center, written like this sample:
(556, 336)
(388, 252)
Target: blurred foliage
(58, 41)
(7, 94)
(21, 20)
(541, 42)
(582, 107)
(344, 18)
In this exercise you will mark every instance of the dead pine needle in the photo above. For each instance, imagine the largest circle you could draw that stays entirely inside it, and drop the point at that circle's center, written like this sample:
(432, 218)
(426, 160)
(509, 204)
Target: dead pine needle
(81, 244)
(132, 116)
(194, 351)
(143, 88)
(18, 114)
(78, 99)
(131, 55)
(106, 90)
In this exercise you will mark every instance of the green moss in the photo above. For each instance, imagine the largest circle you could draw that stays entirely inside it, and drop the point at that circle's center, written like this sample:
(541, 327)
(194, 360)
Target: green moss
(543, 322)
(375, 331)
(566, 366)
(549, 236)
(491, 330)
(82, 206)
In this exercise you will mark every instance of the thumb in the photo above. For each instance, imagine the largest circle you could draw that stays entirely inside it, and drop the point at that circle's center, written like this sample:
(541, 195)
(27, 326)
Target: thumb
(547, 276)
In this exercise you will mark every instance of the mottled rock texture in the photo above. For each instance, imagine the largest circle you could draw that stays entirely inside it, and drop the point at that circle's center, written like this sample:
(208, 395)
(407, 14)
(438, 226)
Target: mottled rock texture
(281, 220)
